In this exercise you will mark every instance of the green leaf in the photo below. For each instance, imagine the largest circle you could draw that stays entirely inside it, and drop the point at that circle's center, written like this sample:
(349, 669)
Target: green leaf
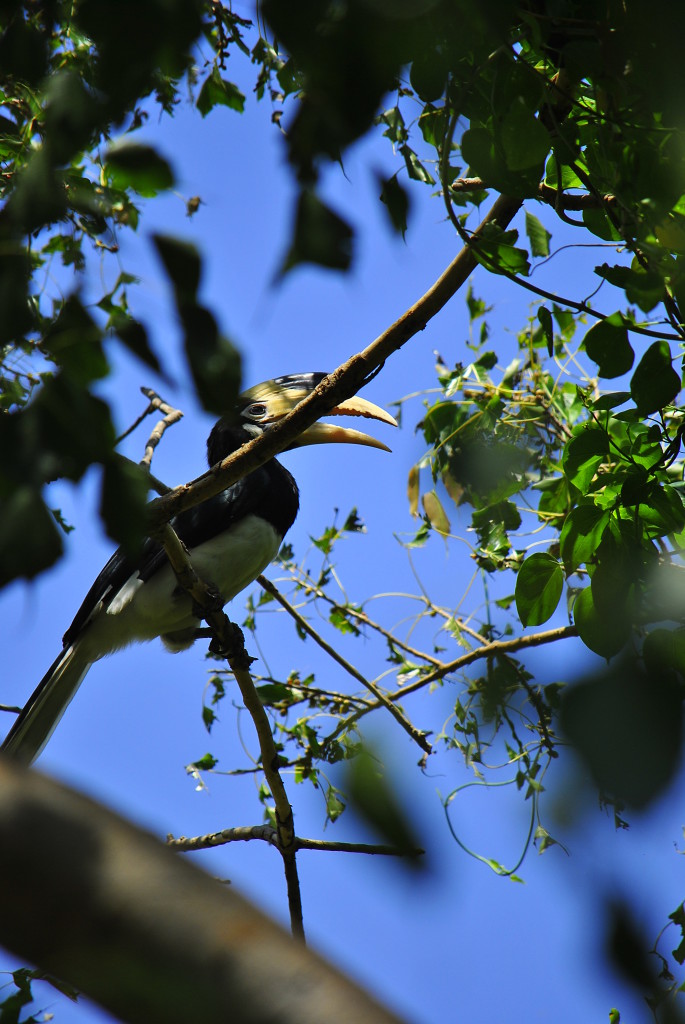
(274, 693)
(525, 139)
(628, 728)
(74, 342)
(581, 534)
(607, 345)
(495, 249)
(123, 503)
(545, 318)
(29, 538)
(204, 764)
(678, 918)
(396, 202)
(539, 238)
(141, 168)
(182, 263)
(219, 91)
(538, 588)
(645, 288)
(372, 796)
(213, 360)
(611, 400)
(655, 383)
(605, 635)
(583, 454)
(415, 168)
(320, 236)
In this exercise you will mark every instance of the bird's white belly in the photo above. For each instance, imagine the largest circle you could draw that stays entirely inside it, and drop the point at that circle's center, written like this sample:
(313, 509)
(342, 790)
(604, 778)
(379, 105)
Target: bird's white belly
(142, 611)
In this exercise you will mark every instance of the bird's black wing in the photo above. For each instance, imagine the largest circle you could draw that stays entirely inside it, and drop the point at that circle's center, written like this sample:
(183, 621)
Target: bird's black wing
(269, 492)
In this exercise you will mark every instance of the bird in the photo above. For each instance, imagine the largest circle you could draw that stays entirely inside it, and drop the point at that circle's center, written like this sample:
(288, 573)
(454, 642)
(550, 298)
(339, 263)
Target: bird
(231, 537)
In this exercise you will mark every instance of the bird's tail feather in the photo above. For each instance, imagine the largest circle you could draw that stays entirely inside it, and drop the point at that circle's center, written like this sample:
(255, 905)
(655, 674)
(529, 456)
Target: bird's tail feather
(46, 705)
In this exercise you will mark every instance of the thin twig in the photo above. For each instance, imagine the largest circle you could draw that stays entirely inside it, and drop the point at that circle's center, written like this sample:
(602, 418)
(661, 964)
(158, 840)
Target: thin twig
(417, 735)
(487, 650)
(552, 196)
(171, 416)
(365, 620)
(268, 834)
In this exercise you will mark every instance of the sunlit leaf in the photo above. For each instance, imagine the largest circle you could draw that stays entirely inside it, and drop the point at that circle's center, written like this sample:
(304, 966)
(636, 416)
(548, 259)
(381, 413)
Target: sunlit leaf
(432, 506)
(219, 91)
(605, 635)
(538, 588)
(538, 236)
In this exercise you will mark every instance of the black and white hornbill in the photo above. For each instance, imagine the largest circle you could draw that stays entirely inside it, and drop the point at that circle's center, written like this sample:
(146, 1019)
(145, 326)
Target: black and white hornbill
(232, 538)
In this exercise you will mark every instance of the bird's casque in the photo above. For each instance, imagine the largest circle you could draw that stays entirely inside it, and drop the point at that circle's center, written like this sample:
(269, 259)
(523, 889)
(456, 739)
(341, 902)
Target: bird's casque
(232, 537)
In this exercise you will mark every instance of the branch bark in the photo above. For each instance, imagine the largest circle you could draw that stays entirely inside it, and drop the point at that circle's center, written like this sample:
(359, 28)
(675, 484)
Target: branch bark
(230, 639)
(154, 938)
(342, 383)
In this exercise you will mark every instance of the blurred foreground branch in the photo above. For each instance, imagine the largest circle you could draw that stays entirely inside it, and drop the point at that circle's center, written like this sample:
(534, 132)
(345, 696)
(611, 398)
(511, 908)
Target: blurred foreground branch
(144, 933)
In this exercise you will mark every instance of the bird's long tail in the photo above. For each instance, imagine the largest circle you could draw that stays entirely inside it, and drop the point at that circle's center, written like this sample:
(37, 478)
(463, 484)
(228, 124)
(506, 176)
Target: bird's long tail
(46, 705)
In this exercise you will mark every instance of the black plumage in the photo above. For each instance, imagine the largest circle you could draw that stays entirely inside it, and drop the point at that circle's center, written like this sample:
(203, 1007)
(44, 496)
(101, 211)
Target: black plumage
(232, 537)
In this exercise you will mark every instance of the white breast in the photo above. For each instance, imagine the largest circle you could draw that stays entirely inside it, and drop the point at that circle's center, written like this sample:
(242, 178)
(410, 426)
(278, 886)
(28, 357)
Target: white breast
(143, 611)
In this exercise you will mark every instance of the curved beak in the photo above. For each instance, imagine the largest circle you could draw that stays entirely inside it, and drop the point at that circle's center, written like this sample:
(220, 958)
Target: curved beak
(282, 394)
(332, 433)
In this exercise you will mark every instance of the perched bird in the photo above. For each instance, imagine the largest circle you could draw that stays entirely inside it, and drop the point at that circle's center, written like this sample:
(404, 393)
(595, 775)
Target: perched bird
(232, 537)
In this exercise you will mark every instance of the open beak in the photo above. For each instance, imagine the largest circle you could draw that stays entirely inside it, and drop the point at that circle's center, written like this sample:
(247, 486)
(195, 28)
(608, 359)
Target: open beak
(282, 394)
(332, 433)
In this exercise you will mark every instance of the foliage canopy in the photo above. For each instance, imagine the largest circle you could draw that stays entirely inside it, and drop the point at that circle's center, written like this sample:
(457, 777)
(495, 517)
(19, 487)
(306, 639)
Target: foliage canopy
(571, 110)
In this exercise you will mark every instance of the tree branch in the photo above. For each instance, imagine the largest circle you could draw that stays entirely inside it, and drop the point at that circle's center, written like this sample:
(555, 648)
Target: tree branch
(230, 640)
(547, 194)
(268, 834)
(342, 383)
(155, 938)
(486, 651)
(416, 734)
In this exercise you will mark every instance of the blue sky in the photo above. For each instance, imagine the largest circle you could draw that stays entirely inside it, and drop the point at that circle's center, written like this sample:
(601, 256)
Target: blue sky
(461, 943)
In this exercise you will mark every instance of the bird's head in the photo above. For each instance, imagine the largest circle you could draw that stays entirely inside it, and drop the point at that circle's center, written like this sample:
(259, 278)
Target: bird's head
(264, 405)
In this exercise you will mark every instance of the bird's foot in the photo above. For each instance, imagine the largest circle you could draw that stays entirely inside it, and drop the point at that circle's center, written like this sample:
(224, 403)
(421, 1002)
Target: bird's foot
(231, 645)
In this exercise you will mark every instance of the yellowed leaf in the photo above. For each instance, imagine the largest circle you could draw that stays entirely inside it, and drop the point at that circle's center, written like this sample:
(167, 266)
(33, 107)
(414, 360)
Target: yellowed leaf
(413, 490)
(432, 506)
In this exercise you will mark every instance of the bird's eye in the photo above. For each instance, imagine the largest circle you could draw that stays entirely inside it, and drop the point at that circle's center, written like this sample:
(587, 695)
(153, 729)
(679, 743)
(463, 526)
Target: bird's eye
(256, 411)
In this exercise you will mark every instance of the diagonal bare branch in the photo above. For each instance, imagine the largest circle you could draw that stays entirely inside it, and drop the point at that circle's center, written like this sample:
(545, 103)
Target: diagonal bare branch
(342, 383)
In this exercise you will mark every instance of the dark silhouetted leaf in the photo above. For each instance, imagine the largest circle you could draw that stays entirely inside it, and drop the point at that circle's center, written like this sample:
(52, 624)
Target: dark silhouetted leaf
(396, 202)
(182, 263)
(628, 729)
(320, 236)
(525, 140)
(375, 800)
(29, 538)
(141, 168)
(219, 91)
(123, 502)
(545, 318)
(654, 383)
(607, 345)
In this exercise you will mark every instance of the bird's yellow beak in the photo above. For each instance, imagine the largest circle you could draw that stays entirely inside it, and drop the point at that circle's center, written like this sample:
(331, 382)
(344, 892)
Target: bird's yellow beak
(282, 394)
